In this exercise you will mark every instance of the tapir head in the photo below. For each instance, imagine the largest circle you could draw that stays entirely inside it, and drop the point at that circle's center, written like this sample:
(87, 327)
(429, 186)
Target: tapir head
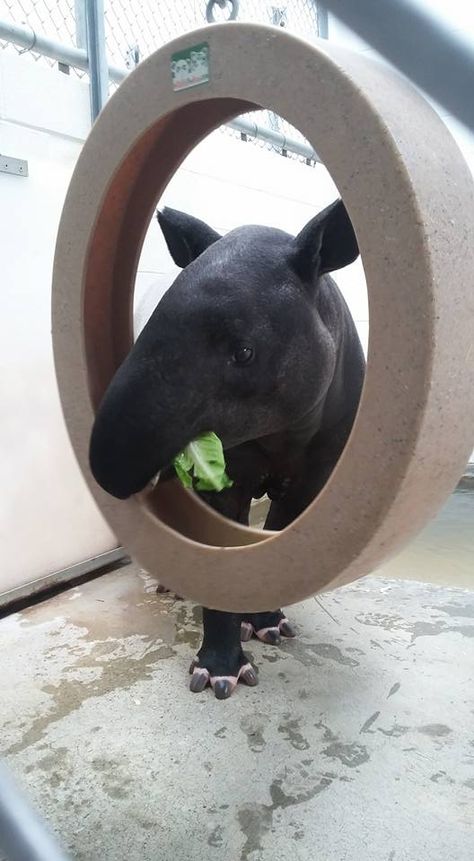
(238, 345)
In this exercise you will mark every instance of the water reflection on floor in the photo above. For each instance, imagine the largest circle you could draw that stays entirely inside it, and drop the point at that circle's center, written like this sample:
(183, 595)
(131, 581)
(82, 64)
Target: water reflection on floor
(444, 551)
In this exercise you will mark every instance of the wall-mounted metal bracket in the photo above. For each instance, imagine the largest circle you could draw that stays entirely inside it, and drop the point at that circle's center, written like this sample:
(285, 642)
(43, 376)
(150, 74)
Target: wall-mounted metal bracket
(17, 166)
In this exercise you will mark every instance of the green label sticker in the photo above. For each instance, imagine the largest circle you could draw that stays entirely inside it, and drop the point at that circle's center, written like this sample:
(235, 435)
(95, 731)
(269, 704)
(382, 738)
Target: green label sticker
(190, 68)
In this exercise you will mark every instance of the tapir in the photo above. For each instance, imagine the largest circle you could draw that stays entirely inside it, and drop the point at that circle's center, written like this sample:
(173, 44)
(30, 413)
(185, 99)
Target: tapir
(255, 342)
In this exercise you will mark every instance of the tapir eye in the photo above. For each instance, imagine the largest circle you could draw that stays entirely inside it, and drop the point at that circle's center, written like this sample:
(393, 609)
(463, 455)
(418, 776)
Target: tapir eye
(243, 356)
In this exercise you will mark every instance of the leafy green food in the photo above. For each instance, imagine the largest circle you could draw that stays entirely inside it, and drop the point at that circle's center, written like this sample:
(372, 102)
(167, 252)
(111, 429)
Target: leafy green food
(201, 464)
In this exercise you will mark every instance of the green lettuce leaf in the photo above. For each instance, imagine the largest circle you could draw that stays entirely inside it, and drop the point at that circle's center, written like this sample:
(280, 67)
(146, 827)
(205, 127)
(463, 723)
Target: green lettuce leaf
(183, 465)
(202, 464)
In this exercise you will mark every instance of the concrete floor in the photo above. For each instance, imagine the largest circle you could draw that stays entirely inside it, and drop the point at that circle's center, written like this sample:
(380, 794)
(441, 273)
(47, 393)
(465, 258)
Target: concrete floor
(357, 745)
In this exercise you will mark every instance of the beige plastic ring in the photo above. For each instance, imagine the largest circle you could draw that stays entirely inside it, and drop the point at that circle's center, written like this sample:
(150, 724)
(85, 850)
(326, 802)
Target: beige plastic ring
(410, 197)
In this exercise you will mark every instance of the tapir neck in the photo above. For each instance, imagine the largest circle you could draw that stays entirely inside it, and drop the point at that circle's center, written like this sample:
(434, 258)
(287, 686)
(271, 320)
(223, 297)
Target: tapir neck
(290, 444)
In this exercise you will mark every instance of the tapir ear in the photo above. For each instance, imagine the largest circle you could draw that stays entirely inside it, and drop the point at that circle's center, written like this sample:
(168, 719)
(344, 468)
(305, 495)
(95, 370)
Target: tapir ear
(186, 237)
(328, 242)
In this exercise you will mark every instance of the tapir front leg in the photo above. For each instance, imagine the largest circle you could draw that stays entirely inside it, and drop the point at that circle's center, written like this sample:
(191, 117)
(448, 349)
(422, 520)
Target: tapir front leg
(221, 661)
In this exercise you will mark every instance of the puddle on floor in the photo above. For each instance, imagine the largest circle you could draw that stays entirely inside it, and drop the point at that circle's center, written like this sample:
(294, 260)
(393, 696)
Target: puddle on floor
(444, 552)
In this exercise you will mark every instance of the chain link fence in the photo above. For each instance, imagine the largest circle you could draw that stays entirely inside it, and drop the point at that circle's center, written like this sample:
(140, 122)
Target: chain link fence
(136, 28)
(53, 18)
(61, 20)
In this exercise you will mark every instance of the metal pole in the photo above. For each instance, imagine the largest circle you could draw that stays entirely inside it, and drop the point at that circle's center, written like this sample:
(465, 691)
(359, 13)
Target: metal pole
(98, 68)
(437, 59)
(80, 21)
(23, 836)
(27, 38)
(248, 127)
(323, 22)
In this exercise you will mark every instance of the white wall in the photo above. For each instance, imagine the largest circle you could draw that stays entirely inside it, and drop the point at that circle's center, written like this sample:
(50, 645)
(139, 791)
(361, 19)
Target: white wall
(47, 518)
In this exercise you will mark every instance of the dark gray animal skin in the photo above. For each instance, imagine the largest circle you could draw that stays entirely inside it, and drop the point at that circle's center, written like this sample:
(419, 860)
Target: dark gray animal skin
(255, 342)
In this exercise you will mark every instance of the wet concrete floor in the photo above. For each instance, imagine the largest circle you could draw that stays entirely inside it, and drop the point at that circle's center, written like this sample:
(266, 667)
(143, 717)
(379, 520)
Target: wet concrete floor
(357, 744)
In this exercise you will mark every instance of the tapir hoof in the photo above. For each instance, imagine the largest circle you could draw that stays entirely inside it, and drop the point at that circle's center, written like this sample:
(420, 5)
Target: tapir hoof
(203, 674)
(268, 627)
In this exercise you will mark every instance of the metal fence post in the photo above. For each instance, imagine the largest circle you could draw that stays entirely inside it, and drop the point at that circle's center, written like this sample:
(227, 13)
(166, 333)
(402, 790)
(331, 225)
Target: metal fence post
(96, 52)
(80, 23)
(323, 23)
